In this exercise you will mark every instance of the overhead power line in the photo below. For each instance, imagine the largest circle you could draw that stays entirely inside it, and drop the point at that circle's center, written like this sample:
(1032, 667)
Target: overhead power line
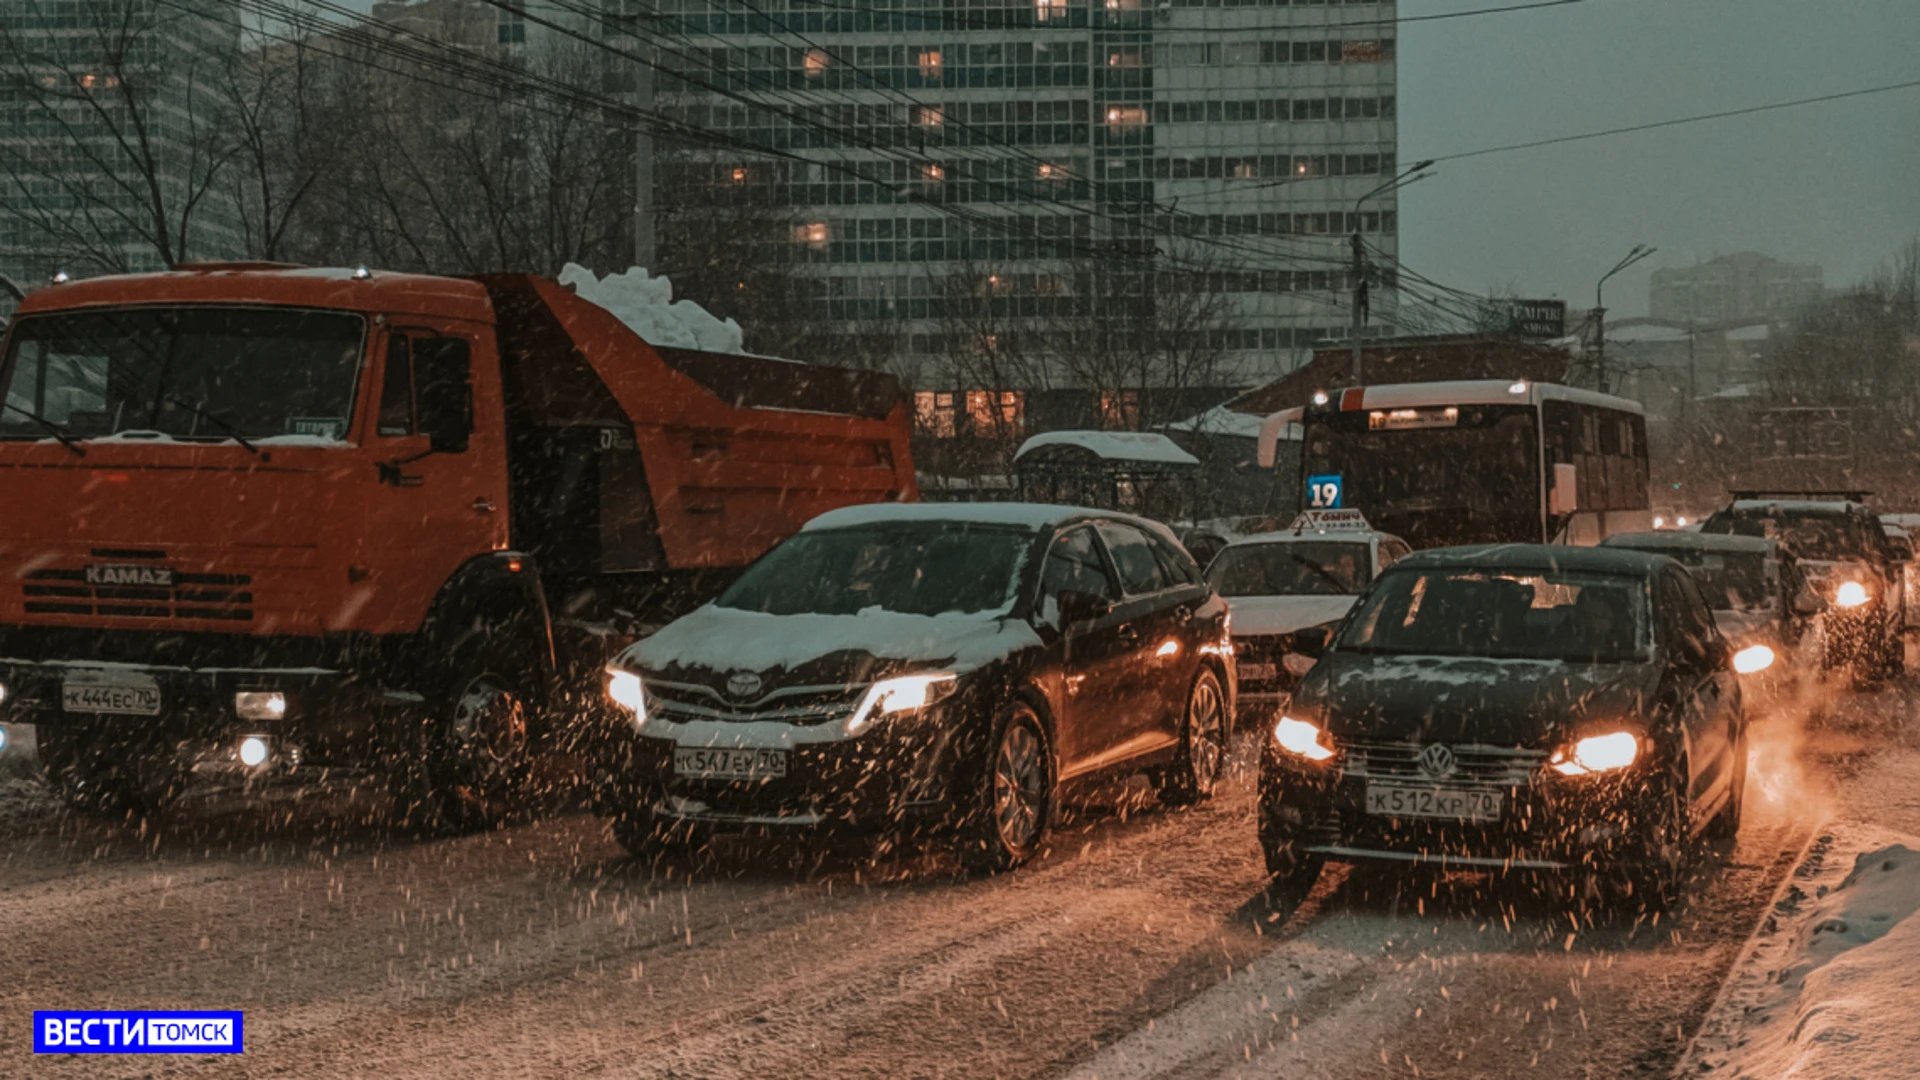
(896, 20)
(1701, 118)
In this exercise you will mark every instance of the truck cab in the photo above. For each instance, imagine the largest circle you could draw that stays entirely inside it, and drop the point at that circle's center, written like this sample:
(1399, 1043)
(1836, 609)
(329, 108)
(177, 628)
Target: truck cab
(266, 518)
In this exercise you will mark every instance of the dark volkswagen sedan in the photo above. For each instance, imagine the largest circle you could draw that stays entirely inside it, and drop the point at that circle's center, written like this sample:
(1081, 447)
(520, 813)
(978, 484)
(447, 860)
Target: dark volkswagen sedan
(1516, 707)
(927, 669)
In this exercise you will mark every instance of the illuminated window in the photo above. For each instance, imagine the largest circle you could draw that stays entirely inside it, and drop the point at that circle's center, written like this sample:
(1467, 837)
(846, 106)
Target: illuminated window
(933, 414)
(933, 173)
(930, 63)
(813, 234)
(739, 175)
(815, 63)
(1047, 171)
(1045, 10)
(1120, 411)
(928, 115)
(1126, 116)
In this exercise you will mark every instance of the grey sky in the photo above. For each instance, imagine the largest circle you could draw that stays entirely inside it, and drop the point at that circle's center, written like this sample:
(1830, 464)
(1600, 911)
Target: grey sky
(1836, 184)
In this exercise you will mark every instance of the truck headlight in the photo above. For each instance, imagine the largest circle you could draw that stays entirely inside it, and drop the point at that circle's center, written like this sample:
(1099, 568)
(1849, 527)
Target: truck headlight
(259, 705)
(626, 691)
(906, 693)
(1302, 739)
(1850, 594)
(1597, 753)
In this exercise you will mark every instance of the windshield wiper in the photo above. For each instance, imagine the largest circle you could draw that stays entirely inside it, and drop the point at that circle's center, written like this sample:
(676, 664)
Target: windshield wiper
(53, 429)
(225, 426)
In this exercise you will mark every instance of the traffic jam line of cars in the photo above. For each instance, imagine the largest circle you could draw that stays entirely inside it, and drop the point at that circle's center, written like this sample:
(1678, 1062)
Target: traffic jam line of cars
(944, 673)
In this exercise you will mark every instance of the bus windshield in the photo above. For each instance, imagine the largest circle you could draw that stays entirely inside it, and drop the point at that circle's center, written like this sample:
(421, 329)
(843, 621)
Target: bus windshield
(1476, 481)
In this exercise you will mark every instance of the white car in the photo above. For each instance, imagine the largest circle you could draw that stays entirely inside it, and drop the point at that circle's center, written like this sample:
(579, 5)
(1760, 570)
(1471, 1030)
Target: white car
(1279, 583)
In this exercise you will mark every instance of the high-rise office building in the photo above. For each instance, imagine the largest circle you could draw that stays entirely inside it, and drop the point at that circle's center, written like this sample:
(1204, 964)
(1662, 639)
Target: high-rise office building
(108, 134)
(914, 140)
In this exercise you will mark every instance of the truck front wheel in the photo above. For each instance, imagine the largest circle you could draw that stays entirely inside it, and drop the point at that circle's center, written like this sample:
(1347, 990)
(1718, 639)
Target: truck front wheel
(478, 757)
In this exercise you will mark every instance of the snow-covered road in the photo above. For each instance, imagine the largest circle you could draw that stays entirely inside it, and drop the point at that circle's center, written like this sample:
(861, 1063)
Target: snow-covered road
(1141, 945)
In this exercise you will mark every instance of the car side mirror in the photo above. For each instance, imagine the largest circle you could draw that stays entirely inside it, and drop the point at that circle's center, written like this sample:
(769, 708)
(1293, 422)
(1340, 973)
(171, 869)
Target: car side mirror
(1078, 607)
(1311, 642)
(444, 368)
(1808, 602)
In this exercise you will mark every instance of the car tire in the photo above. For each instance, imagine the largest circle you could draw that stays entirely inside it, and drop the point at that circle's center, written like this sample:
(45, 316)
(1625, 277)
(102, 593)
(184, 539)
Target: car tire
(478, 755)
(1656, 875)
(1293, 869)
(1014, 805)
(1202, 755)
(107, 781)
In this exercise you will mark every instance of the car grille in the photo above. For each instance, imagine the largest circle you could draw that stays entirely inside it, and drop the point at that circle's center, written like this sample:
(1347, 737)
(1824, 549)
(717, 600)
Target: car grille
(218, 597)
(805, 706)
(1473, 765)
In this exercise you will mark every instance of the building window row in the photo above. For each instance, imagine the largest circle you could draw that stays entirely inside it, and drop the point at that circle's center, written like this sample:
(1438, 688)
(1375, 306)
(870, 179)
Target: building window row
(1229, 53)
(1273, 110)
(947, 414)
(1272, 166)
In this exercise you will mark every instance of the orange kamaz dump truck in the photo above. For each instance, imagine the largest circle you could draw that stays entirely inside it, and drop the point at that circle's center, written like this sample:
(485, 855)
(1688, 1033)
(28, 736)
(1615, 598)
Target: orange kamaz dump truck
(257, 519)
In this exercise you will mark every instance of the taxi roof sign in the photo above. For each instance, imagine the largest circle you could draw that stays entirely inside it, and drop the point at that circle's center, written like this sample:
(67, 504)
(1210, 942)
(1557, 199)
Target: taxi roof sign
(1330, 521)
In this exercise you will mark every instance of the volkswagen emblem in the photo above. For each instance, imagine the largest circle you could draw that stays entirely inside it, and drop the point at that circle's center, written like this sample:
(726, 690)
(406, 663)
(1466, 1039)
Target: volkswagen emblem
(1437, 761)
(743, 684)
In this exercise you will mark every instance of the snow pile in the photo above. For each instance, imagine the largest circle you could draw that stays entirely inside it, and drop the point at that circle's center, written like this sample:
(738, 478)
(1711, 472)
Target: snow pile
(646, 304)
(1842, 1005)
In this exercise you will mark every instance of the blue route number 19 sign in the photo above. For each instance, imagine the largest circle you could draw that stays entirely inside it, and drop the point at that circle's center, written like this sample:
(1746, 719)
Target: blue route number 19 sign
(1323, 492)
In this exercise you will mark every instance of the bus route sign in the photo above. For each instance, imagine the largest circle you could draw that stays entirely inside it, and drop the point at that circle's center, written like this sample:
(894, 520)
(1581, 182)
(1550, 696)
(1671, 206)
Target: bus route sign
(1323, 492)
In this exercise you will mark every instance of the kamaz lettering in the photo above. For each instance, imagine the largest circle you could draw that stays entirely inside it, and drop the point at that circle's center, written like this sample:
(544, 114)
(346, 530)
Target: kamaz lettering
(158, 577)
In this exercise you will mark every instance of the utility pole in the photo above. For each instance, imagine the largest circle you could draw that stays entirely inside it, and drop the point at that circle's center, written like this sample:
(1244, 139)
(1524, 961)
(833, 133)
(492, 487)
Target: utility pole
(1640, 251)
(1361, 295)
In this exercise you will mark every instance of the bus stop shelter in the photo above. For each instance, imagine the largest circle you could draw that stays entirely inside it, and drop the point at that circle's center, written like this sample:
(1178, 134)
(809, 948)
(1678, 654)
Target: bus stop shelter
(1134, 472)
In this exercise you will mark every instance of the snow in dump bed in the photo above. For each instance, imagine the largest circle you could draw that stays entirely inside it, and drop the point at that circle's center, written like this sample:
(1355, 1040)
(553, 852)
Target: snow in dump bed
(728, 638)
(1035, 516)
(1114, 446)
(647, 306)
(1843, 1004)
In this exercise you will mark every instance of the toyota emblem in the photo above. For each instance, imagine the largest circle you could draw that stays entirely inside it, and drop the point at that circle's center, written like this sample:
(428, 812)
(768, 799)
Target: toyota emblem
(743, 684)
(1437, 761)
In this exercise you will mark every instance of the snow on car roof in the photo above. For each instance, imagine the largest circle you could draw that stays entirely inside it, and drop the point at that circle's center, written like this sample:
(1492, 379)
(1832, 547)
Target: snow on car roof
(1795, 506)
(1689, 541)
(1034, 516)
(1114, 446)
(1349, 536)
(1601, 560)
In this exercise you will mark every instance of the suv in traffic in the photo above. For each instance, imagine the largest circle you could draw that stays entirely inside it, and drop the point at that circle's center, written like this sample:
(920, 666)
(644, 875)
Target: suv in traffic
(1847, 558)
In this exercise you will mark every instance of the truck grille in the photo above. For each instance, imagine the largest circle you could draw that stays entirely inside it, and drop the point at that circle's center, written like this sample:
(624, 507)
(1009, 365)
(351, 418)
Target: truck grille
(1473, 766)
(805, 706)
(219, 597)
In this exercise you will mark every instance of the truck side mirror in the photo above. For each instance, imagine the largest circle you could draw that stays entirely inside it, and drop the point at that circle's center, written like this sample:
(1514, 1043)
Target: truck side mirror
(444, 369)
(1565, 497)
(1808, 602)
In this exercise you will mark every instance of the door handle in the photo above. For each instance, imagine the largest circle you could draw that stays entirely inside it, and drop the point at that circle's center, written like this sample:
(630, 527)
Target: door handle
(483, 505)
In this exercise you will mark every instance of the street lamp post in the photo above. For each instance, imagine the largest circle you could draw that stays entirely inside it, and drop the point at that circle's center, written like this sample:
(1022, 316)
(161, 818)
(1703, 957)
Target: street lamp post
(1640, 251)
(1360, 257)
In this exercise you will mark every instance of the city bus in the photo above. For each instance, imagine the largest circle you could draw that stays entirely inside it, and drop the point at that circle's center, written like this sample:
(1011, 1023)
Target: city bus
(1474, 462)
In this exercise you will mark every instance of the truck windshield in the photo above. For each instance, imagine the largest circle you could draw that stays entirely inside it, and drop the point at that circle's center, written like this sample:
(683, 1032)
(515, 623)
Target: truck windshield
(1523, 614)
(1305, 568)
(1475, 480)
(918, 568)
(183, 373)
